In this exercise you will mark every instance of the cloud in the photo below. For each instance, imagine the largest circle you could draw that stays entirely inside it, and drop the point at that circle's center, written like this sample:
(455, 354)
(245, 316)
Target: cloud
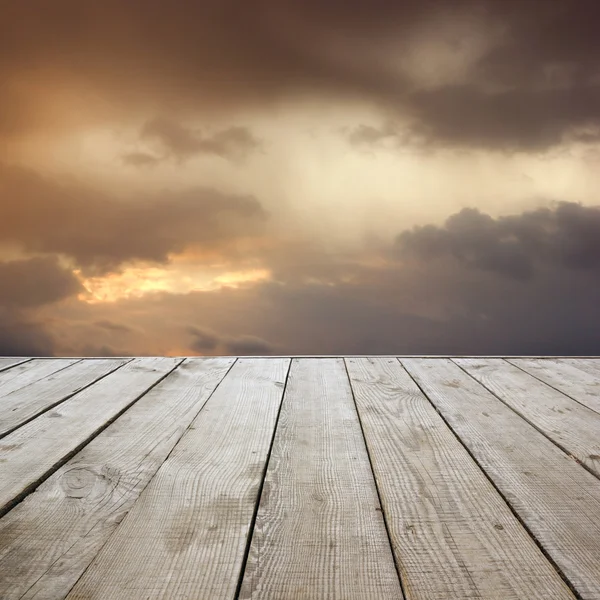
(140, 159)
(208, 341)
(521, 284)
(436, 308)
(113, 327)
(35, 282)
(21, 336)
(103, 350)
(202, 340)
(100, 232)
(249, 345)
(182, 143)
(515, 119)
(566, 236)
(370, 135)
(490, 73)
(429, 299)
(25, 287)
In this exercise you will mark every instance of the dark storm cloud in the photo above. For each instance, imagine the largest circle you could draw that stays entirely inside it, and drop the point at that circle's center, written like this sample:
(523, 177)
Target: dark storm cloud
(25, 286)
(103, 350)
(182, 56)
(203, 340)
(566, 236)
(207, 341)
(369, 135)
(100, 233)
(454, 292)
(520, 119)
(20, 336)
(35, 282)
(527, 90)
(246, 345)
(181, 143)
(389, 134)
(436, 308)
(113, 327)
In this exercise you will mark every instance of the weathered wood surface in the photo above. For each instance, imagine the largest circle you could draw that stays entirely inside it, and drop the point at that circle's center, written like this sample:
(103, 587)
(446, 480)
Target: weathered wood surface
(7, 363)
(319, 531)
(186, 535)
(557, 499)
(572, 426)
(575, 382)
(589, 365)
(171, 478)
(453, 535)
(24, 404)
(32, 452)
(49, 539)
(20, 376)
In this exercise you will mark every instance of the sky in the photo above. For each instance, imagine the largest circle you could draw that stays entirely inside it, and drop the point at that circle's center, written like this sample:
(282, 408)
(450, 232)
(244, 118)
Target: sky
(299, 177)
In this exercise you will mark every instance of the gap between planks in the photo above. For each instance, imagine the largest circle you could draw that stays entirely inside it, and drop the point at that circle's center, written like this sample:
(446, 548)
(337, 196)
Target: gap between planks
(453, 535)
(187, 533)
(526, 468)
(43, 445)
(27, 403)
(66, 521)
(571, 426)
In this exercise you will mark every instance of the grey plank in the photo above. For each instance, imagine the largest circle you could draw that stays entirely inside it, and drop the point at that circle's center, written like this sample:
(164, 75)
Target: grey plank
(32, 452)
(23, 404)
(8, 362)
(186, 535)
(20, 376)
(557, 499)
(453, 535)
(319, 530)
(49, 539)
(589, 365)
(574, 427)
(572, 381)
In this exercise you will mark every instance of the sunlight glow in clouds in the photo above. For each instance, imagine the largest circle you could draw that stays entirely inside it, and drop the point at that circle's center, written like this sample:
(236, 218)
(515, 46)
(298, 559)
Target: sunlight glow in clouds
(137, 282)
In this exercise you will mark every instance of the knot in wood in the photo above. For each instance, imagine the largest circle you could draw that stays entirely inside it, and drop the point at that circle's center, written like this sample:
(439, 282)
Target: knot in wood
(79, 482)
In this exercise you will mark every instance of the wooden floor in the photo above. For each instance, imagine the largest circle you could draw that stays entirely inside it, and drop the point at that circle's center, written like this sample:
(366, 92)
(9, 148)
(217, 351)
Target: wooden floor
(305, 478)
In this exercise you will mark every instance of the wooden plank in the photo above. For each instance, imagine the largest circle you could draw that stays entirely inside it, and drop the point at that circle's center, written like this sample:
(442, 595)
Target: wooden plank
(8, 362)
(589, 365)
(572, 426)
(34, 451)
(26, 403)
(574, 382)
(319, 530)
(49, 539)
(25, 374)
(186, 535)
(557, 499)
(453, 535)
(590, 361)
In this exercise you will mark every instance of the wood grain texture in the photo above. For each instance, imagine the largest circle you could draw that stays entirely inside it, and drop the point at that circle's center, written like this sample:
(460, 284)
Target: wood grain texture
(572, 426)
(319, 531)
(32, 452)
(24, 404)
(572, 381)
(186, 535)
(8, 362)
(589, 365)
(49, 539)
(20, 376)
(556, 498)
(453, 535)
